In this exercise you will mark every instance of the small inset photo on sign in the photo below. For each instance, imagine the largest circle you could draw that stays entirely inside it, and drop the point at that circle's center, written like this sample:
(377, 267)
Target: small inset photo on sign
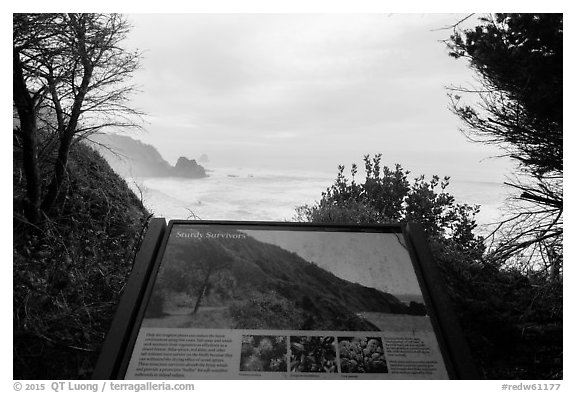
(264, 353)
(362, 355)
(312, 354)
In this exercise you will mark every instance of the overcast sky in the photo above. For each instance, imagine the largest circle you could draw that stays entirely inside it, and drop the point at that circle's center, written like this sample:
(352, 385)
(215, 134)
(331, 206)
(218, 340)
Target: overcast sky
(302, 90)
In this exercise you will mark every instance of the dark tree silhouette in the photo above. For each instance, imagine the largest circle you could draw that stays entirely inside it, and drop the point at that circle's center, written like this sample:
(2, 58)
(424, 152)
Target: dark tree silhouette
(518, 107)
(69, 80)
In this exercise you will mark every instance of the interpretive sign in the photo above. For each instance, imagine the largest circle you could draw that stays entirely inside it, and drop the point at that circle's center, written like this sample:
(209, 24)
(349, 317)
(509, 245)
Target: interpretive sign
(245, 300)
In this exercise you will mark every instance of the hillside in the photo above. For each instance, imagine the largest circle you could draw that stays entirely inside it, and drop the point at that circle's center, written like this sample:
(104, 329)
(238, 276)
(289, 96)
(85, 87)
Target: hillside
(69, 271)
(266, 287)
(132, 158)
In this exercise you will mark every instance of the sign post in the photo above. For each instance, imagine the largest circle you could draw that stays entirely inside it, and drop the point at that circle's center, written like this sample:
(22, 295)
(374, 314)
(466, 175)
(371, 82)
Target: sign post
(268, 300)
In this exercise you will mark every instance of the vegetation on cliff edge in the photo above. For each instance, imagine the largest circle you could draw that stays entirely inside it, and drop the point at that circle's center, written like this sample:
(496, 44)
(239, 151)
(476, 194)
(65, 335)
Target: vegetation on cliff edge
(512, 319)
(70, 269)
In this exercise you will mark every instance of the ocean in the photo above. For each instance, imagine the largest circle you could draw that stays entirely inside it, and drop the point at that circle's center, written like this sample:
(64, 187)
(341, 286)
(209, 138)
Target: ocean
(269, 194)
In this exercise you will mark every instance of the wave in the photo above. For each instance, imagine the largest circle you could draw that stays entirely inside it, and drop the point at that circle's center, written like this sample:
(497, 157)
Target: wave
(264, 194)
(234, 194)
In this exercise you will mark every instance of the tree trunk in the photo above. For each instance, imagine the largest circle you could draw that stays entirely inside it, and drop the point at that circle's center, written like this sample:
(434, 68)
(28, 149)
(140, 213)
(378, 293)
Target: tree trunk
(202, 290)
(67, 131)
(59, 175)
(24, 104)
(555, 262)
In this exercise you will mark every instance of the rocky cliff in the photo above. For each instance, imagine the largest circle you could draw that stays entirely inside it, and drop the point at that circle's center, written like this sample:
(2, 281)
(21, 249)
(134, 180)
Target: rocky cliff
(132, 158)
(188, 168)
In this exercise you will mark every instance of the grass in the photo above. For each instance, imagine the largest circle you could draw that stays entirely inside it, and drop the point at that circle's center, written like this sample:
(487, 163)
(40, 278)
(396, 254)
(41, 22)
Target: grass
(69, 271)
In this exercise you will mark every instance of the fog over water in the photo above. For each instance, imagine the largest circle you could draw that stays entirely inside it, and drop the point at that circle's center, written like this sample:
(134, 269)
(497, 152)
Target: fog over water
(278, 101)
(272, 194)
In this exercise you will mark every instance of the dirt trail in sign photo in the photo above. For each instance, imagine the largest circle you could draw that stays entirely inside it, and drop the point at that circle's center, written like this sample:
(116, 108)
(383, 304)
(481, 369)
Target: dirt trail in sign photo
(205, 318)
(397, 322)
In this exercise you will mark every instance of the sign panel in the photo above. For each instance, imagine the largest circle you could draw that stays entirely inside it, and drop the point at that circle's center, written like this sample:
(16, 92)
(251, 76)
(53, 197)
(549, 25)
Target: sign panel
(286, 301)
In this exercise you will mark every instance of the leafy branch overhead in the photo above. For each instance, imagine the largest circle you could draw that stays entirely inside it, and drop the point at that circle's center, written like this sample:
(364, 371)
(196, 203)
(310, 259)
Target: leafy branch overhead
(519, 107)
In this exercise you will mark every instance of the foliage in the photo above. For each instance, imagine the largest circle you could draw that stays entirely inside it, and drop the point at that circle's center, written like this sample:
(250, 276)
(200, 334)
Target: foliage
(264, 353)
(362, 355)
(312, 354)
(266, 311)
(69, 81)
(206, 257)
(519, 60)
(512, 319)
(519, 108)
(387, 196)
(198, 272)
(76, 223)
(68, 274)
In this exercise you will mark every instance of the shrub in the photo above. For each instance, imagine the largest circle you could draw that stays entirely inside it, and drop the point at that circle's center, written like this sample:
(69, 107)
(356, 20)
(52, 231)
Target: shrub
(387, 196)
(512, 319)
(69, 271)
(266, 311)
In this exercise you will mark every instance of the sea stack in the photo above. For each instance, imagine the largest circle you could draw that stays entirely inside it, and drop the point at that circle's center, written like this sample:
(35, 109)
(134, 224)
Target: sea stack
(188, 168)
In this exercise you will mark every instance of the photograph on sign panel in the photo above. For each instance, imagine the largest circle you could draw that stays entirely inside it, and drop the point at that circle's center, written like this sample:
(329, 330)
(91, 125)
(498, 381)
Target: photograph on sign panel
(264, 353)
(362, 355)
(285, 302)
(313, 354)
(212, 278)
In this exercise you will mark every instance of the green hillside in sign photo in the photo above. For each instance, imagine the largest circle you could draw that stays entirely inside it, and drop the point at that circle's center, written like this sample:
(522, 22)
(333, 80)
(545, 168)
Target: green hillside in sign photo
(248, 284)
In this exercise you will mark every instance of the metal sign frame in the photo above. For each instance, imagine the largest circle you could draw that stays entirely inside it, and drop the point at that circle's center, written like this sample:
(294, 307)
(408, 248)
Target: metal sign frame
(121, 338)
